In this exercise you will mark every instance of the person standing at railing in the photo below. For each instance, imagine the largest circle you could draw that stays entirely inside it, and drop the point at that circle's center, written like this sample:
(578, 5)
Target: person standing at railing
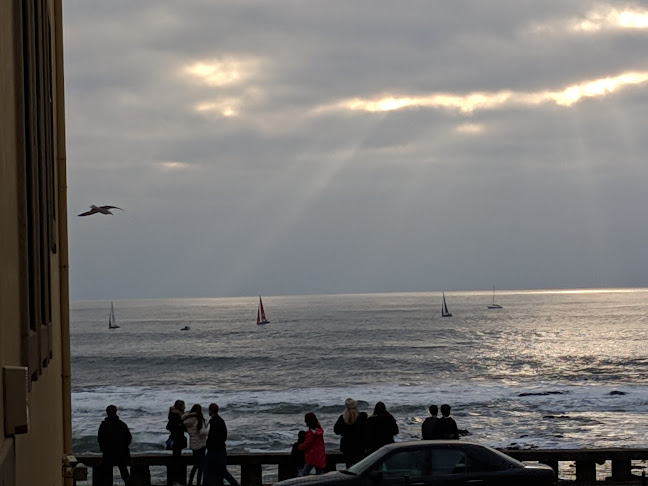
(380, 429)
(350, 425)
(197, 430)
(114, 440)
(313, 446)
(429, 427)
(177, 429)
(216, 459)
(447, 427)
(297, 455)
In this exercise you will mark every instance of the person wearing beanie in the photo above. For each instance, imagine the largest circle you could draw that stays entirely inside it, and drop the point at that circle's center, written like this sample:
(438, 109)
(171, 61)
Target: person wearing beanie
(350, 425)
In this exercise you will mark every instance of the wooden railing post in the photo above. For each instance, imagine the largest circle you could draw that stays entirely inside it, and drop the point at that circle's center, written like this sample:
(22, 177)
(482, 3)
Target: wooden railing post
(286, 471)
(621, 469)
(102, 475)
(140, 475)
(251, 474)
(585, 471)
(95, 476)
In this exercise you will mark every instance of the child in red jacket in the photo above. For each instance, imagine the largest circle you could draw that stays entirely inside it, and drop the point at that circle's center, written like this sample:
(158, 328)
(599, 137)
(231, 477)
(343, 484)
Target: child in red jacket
(313, 446)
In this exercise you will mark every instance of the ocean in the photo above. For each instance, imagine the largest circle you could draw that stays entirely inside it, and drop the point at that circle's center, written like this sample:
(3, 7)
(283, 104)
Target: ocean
(551, 369)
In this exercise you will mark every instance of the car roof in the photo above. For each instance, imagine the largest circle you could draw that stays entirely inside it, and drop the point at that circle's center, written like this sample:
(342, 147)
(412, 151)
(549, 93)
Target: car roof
(415, 443)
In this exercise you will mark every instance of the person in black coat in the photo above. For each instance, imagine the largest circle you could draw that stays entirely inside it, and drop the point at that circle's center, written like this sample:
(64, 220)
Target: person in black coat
(380, 429)
(447, 427)
(177, 429)
(114, 440)
(428, 429)
(297, 455)
(216, 459)
(351, 426)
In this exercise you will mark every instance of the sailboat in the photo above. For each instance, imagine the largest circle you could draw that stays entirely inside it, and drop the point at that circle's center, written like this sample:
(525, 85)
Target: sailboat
(444, 308)
(261, 317)
(112, 322)
(494, 305)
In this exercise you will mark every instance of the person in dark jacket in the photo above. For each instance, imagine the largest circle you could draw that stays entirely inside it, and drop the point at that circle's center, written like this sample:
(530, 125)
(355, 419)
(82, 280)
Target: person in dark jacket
(380, 429)
(296, 454)
(114, 441)
(350, 425)
(428, 429)
(177, 429)
(447, 427)
(216, 459)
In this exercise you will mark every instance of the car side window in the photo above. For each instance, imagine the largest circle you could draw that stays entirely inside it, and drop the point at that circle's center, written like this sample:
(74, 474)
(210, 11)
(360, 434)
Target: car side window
(477, 464)
(400, 464)
(447, 461)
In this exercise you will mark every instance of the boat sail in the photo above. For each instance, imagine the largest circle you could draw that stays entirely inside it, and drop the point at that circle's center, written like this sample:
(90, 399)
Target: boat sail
(494, 305)
(444, 308)
(261, 317)
(112, 322)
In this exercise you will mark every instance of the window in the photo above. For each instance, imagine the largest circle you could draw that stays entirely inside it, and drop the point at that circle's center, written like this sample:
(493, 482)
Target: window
(406, 463)
(38, 220)
(447, 461)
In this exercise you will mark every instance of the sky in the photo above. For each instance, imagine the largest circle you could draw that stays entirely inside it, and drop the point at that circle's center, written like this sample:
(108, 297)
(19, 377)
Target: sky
(284, 147)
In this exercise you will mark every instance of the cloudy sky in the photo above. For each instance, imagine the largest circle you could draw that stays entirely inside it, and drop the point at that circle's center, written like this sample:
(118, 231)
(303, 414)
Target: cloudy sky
(324, 146)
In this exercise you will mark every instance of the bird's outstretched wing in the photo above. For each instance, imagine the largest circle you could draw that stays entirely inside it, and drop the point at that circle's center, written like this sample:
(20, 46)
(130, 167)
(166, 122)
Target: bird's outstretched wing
(87, 213)
(100, 209)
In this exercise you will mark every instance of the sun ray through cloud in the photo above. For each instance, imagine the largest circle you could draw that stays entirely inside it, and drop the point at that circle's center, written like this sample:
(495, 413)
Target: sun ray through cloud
(481, 101)
(601, 18)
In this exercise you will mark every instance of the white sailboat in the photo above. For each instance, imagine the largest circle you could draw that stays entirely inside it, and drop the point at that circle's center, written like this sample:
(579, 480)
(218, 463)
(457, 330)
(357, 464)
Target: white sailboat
(261, 317)
(444, 308)
(112, 322)
(494, 305)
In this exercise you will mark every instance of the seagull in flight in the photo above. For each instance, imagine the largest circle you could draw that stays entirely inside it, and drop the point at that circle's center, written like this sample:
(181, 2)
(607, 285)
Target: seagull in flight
(99, 209)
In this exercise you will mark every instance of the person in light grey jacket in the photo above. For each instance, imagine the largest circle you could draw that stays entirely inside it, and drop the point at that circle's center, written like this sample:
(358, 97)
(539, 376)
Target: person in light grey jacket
(197, 430)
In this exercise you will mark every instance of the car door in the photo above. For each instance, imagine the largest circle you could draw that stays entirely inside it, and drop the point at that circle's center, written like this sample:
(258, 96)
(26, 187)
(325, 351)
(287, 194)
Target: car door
(458, 467)
(402, 468)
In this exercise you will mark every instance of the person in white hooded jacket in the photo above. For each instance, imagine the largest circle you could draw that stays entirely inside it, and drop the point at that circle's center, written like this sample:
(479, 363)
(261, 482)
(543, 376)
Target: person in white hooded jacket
(197, 429)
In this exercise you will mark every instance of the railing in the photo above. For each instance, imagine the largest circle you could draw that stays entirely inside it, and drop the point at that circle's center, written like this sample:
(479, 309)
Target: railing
(251, 465)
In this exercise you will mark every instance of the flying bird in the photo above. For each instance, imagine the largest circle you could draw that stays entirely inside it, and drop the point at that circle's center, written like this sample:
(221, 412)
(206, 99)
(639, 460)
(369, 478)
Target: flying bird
(101, 209)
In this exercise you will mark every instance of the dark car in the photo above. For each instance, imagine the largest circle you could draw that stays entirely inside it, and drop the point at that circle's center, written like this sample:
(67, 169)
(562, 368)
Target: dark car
(434, 463)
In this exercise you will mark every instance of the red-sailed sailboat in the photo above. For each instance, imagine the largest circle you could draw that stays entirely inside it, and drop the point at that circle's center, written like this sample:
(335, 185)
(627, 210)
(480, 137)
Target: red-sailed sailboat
(261, 317)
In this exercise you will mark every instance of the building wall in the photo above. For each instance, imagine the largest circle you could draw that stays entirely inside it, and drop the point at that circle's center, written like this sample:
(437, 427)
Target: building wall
(33, 240)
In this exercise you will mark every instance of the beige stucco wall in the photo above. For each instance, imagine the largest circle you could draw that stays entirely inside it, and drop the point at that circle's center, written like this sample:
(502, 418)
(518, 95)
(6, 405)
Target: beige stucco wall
(38, 453)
